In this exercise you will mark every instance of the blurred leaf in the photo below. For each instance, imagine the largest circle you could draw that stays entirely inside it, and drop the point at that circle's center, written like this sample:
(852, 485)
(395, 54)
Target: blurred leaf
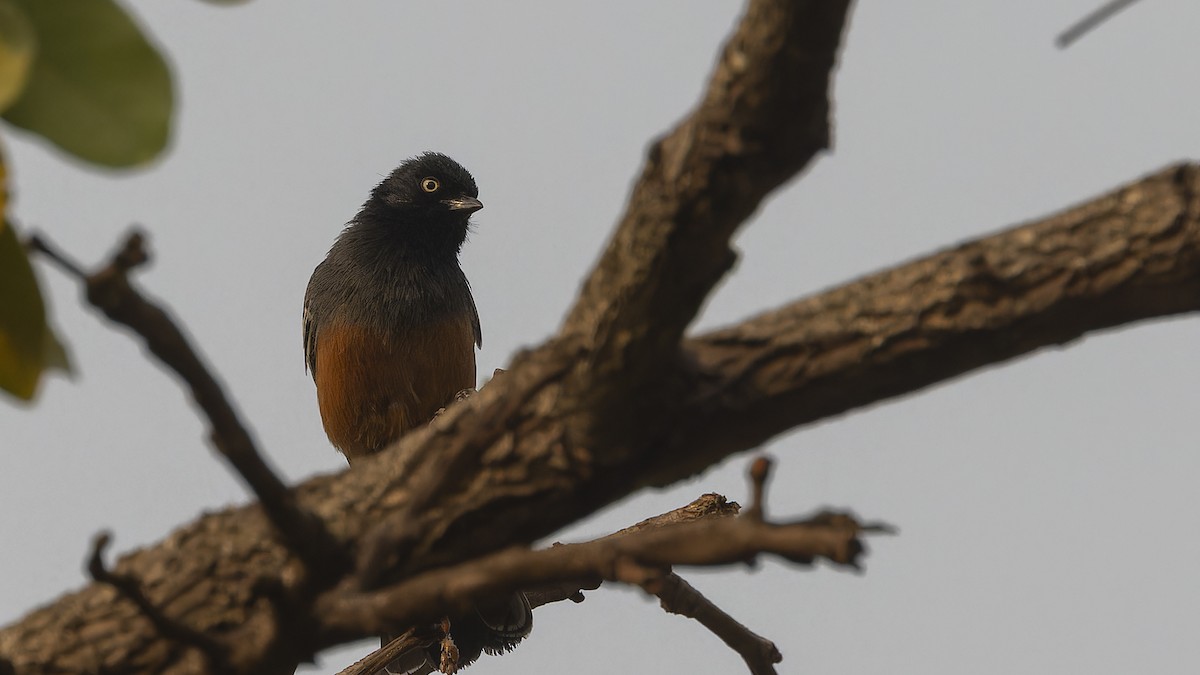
(27, 345)
(18, 44)
(97, 88)
(54, 353)
(25, 341)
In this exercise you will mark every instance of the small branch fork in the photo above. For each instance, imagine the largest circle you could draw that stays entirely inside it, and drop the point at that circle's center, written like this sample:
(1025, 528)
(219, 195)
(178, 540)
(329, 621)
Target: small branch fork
(698, 534)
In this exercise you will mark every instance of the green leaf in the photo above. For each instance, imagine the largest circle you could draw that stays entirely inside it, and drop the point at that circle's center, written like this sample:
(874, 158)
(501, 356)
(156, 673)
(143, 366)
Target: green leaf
(54, 353)
(18, 44)
(27, 345)
(97, 88)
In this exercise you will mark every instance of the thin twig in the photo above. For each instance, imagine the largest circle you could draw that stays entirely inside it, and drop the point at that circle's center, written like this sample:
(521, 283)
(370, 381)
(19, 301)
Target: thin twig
(630, 558)
(378, 659)
(36, 243)
(708, 505)
(110, 291)
(1090, 22)
(129, 587)
(760, 471)
(677, 596)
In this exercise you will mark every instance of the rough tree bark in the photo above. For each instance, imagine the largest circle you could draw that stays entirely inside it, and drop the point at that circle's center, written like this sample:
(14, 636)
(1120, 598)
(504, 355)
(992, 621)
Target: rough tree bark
(621, 399)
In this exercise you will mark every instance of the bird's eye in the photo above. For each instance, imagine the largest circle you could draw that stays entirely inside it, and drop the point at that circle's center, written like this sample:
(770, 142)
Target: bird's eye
(430, 184)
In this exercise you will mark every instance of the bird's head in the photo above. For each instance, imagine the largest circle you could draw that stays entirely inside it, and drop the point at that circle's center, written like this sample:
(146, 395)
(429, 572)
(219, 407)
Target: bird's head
(428, 201)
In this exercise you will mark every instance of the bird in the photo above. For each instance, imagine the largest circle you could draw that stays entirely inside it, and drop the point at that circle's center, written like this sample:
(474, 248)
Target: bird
(390, 329)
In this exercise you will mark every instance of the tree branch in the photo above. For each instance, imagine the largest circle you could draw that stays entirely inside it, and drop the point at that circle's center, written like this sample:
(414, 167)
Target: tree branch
(110, 291)
(679, 597)
(709, 505)
(375, 661)
(762, 119)
(1129, 255)
(641, 558)
(1092, 21)
(542, 447)
(217, 654)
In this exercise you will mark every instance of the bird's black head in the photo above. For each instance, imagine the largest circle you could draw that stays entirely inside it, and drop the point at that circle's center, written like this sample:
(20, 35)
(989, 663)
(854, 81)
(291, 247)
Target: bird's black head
(425, 203)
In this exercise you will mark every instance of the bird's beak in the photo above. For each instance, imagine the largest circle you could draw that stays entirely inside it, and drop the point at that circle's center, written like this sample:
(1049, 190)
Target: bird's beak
(463, 203)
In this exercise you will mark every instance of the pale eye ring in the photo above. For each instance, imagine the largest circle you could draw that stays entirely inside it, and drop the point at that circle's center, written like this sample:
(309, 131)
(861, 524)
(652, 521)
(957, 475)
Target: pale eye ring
(430, 184)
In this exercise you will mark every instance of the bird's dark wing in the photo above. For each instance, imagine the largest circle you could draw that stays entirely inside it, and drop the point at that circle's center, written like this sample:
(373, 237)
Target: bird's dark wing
(310, 328)
(475, 322)
(310, 344)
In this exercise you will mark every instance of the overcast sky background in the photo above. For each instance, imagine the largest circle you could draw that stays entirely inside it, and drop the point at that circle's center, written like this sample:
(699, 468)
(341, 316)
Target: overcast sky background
(1048, 506)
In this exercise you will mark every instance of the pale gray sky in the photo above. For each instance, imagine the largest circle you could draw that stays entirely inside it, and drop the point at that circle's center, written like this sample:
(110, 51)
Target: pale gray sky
(1020, 490)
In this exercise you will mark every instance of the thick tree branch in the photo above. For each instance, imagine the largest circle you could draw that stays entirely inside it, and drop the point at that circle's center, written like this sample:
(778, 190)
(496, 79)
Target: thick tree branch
(217, 654)
(762, 119)
(1131, 255)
